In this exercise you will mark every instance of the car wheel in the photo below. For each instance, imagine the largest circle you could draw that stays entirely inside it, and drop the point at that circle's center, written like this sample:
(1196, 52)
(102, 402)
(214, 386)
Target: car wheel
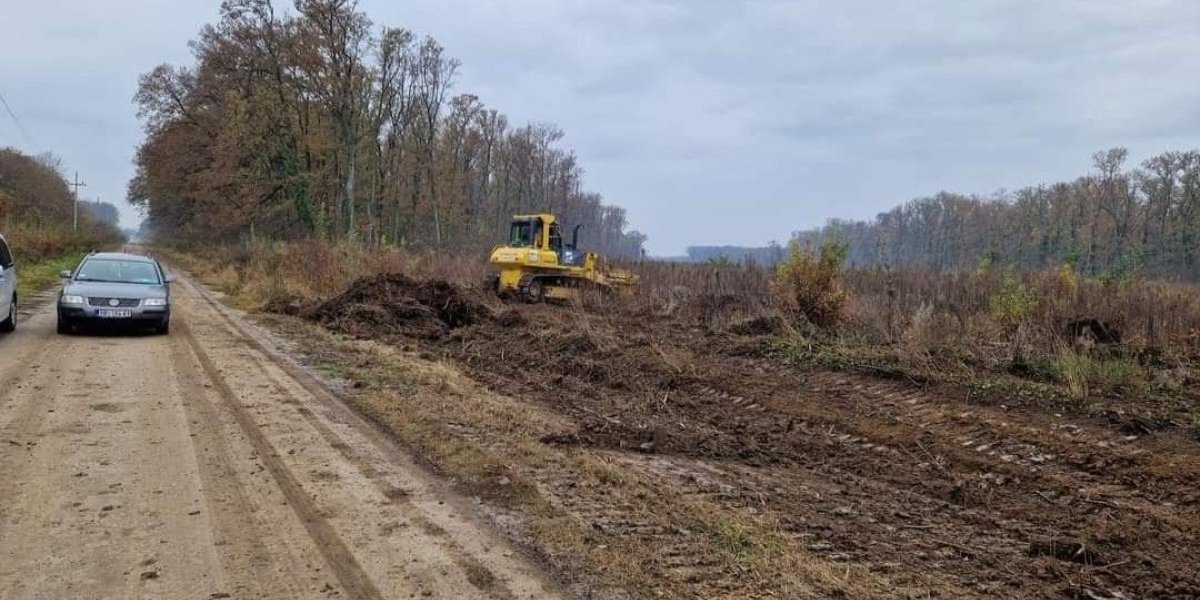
(10, 324)
(164, 329)
(64, 326)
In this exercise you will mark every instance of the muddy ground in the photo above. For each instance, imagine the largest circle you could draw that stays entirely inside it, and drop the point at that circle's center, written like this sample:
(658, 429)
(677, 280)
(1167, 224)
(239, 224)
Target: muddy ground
(930, 490)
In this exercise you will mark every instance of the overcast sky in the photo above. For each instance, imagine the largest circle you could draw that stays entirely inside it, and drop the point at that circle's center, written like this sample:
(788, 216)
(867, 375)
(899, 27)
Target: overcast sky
(711, 121)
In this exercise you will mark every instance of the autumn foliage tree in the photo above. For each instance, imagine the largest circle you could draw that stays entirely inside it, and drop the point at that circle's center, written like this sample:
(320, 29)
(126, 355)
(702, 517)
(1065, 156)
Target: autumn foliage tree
(32, 190)
(37, 212)
(315, 122)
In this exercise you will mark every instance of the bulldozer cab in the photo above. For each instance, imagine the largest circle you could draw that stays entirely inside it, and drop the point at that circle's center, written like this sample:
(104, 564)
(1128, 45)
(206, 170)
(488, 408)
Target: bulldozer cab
(543, 233)
(525, 233)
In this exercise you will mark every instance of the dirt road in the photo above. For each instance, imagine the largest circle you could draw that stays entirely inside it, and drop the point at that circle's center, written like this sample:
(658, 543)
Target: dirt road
(205, 465)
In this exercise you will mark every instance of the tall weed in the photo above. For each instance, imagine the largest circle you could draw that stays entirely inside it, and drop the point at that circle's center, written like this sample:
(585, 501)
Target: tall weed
(810, 283)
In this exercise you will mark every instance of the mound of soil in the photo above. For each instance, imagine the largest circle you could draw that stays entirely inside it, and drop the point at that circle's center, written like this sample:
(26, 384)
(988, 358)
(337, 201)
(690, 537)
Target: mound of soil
(392, 304)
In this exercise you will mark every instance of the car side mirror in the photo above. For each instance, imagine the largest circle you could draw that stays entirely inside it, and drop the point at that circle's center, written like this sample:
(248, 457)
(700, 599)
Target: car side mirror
(169, 279)
(64, 274)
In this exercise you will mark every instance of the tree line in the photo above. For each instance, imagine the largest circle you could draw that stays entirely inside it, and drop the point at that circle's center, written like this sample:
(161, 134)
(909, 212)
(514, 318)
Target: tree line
(33, 192)
(102, 212)
(37, 210)
(768, 255)
(316, 122)
(1115, 220)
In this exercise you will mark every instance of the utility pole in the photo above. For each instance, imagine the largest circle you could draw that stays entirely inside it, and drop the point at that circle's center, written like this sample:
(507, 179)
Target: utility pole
(76, 184)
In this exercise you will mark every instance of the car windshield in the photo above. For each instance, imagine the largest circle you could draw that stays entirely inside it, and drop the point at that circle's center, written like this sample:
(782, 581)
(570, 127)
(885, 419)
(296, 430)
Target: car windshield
(118, 271)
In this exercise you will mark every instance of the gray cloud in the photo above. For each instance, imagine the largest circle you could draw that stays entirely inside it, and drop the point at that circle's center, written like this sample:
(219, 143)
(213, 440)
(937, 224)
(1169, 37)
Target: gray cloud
(712, 121)
(69, 69)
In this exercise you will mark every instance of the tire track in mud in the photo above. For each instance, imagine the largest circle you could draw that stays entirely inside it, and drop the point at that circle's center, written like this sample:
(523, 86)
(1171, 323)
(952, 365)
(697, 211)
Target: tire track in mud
(234, 519)
(1040, 445)
(1004, 507)
(478, 575)
(335, 552)
(446, 533)
(975, 439)
(25, 366)
(877, 418)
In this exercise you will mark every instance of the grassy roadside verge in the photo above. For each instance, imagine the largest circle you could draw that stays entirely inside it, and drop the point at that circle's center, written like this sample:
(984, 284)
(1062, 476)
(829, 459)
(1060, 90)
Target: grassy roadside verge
(39, 276)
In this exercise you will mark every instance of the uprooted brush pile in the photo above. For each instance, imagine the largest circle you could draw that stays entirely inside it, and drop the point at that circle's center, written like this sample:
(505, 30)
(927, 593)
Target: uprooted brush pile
(393, 305)
(930, 488)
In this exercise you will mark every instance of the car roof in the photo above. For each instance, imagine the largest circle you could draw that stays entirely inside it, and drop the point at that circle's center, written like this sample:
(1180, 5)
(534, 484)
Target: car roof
(119, 256)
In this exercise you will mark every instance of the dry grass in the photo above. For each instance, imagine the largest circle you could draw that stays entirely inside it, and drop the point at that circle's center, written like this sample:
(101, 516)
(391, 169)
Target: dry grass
(32, 243)
(964, 326)
(256, 273)
(42, 251)
(987, 304)
(988, 329)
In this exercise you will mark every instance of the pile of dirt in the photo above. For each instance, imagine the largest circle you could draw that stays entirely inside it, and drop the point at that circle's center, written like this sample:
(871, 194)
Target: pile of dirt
(392, 304)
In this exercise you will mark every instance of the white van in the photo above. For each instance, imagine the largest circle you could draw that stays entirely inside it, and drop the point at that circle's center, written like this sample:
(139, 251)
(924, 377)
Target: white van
(8, 288)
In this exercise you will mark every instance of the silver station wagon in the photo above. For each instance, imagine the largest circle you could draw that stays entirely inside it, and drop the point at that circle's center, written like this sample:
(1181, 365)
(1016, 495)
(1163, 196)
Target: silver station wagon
(110, 288)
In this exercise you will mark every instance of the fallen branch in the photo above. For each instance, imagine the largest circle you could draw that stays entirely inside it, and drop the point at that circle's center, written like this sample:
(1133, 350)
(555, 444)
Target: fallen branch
(1100, 503)
(1048, 500)
(1108, 566)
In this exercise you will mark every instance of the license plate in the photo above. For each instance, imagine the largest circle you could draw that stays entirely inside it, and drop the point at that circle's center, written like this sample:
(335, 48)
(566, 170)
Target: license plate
(114, 313)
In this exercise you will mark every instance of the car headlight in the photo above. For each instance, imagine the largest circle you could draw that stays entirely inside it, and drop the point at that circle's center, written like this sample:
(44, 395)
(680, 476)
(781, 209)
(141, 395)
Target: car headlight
(154, 302)
(71, 299)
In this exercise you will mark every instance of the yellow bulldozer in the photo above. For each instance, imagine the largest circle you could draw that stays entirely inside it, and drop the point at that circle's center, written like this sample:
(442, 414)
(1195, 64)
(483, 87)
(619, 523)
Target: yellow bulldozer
(537, 264)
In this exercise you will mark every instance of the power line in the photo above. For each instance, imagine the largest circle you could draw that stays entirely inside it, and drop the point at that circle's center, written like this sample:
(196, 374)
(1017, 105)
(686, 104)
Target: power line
(20, 127)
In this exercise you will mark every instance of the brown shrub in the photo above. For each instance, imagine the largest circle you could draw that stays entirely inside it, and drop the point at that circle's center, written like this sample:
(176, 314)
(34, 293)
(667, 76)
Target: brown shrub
(810, 283)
